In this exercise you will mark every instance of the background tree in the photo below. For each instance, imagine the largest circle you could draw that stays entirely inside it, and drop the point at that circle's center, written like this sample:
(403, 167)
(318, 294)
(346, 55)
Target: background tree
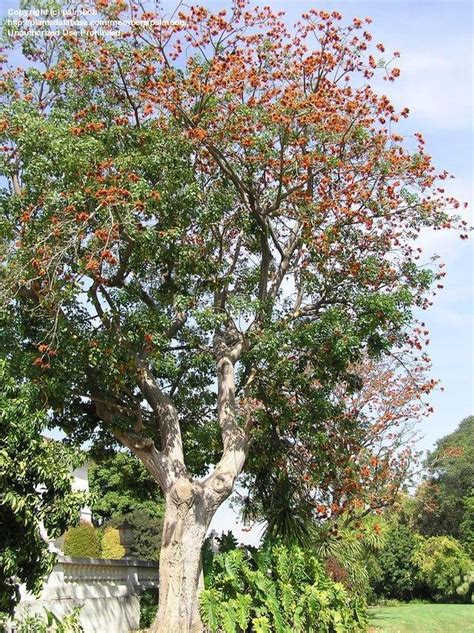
(125, 493)
(199, 210)
(35, 490)
(298, 482)
(147, 532)
(397, 574)
(466, 528)
(445, 567)
(120, 485)
(443, 497)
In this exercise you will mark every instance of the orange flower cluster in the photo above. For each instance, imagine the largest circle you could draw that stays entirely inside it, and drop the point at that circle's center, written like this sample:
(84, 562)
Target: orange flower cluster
(92, 126)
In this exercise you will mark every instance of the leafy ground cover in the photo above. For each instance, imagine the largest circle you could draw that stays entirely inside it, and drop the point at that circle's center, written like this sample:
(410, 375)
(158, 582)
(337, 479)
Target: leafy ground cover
(432, 618)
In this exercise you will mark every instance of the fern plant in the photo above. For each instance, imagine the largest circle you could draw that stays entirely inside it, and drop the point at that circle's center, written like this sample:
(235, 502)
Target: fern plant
(278, 589)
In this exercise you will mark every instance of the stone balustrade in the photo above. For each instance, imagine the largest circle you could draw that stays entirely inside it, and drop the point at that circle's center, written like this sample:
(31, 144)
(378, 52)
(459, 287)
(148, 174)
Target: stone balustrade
(108, 592)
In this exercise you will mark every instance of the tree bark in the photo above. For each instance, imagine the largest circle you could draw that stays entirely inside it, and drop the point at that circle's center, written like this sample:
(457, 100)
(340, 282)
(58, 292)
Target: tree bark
(189, 510)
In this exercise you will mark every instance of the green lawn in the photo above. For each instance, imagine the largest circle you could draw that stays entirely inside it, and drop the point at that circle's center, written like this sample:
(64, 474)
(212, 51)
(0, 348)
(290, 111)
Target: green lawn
(423, 618)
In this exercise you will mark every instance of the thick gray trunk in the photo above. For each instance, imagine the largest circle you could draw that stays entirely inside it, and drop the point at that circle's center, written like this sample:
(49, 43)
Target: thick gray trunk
(187, 518)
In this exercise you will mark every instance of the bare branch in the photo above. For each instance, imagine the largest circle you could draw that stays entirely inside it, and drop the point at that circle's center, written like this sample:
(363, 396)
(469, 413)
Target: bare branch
(156, 462)
(167, 417)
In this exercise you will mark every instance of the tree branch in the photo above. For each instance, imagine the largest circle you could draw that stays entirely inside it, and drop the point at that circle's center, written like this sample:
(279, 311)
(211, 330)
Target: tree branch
(156, 462)
(227, 348)
(167, 416)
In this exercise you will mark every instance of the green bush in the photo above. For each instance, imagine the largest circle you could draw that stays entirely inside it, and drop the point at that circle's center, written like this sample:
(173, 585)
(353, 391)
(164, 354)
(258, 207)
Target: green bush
(121, 485)
(280, 589)
(148, 607)
(445, 567)
(225, 542)
(82, 541)
(397, 575)
(349, 552)
(111, 547)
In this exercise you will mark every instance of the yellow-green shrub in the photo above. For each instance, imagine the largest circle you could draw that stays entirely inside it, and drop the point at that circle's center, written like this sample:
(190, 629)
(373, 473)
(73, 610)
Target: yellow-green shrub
(82, 541)
(111, 545)
(445, 567)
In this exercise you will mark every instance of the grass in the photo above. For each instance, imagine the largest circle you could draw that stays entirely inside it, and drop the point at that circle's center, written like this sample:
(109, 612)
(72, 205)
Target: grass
(423, 618)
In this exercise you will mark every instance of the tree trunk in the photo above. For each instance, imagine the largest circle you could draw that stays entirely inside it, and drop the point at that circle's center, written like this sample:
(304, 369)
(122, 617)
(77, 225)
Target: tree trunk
(187, 519)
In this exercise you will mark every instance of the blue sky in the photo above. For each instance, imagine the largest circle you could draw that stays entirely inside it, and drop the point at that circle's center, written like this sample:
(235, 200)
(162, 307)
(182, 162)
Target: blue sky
(435, 42)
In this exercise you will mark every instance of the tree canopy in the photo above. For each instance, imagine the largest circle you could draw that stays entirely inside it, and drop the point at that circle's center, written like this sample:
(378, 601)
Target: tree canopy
(443, 498)
(251, 202)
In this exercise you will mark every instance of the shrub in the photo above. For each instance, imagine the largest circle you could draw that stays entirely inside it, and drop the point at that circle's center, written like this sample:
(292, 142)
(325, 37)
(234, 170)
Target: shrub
(82, 541)
(397, 575)
(348, 552)
(225, 543)
(445, 567)
(279, 589)
(111, 545)
(148, 607)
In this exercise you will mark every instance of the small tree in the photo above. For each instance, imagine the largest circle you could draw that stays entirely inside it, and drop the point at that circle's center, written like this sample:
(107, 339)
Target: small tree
(198, 211)
(445, 567)
(398, 575)
(297, 481)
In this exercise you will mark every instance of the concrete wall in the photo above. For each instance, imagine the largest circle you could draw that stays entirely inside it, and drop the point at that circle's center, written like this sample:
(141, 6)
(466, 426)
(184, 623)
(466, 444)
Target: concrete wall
(108, 590)
(81, 482)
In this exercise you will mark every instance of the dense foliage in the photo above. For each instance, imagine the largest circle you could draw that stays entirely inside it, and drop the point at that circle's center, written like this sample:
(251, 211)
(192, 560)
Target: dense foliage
(35, 489)
(120, 485)
(147, 530)
(466, 529)
(443, 499)
(411, 566)
(349, 550)
(82, 541)
(110, 544)
(397, 574)
(280, 590)
(148, 607)
(445, 567)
